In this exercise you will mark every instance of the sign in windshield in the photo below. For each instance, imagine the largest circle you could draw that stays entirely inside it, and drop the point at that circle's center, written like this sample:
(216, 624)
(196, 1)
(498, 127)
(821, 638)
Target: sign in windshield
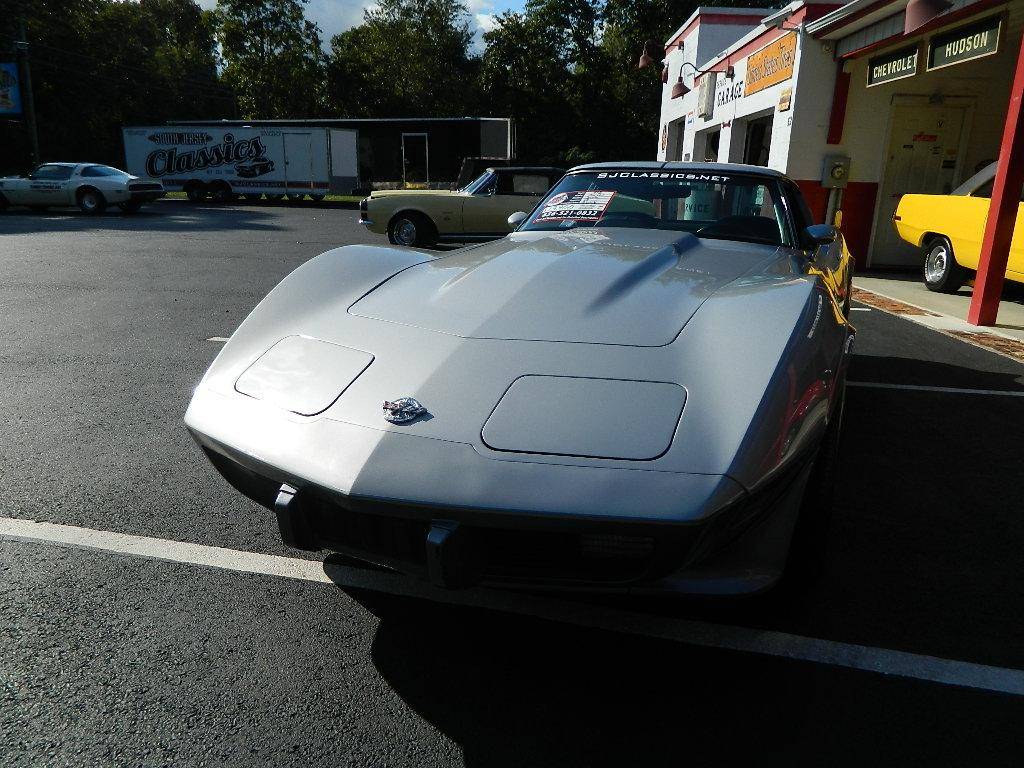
(714, 205)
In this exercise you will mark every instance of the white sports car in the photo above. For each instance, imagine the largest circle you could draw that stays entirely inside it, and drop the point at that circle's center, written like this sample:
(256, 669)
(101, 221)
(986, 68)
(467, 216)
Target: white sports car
(90, 186)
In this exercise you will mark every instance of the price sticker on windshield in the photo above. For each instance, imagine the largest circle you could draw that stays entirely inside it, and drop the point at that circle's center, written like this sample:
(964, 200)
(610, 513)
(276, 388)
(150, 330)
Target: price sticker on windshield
(585, 205)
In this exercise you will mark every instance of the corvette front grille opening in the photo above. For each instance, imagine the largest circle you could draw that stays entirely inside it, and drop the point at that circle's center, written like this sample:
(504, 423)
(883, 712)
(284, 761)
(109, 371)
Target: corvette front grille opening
(605, 545)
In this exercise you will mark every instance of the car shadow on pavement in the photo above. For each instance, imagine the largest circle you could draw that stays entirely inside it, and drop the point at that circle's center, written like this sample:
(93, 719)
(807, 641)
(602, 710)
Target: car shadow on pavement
(162, 216)
(515, 691)
(1000, 374)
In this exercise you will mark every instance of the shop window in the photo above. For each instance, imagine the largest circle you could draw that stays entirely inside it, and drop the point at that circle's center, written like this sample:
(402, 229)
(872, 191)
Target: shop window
(710, 140)
(757, 148)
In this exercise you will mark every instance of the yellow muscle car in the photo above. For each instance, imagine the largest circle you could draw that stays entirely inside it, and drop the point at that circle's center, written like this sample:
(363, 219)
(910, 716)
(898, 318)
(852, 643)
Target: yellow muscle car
(478, 211)
(949, 229)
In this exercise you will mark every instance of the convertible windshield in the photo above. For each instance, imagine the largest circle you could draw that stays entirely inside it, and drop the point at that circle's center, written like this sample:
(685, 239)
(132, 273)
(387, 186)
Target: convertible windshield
(477, 185)
(725, 207)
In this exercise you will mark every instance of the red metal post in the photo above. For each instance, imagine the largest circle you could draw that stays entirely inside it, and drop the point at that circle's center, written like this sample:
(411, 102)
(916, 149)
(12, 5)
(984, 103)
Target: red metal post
(1002, 211)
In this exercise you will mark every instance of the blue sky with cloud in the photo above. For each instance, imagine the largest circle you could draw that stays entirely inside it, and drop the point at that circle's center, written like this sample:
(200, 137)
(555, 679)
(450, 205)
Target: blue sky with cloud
(335, 16)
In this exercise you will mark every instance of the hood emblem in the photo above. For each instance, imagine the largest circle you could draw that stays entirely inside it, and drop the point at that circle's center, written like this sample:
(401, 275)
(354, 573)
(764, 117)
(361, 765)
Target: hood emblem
(403, 410)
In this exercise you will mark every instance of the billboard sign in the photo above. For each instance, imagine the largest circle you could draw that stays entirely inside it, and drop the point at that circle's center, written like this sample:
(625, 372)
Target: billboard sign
(771, 65)
(10, 93)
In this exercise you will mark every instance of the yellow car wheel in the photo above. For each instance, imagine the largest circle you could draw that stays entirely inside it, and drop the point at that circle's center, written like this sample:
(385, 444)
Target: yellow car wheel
(941, 272)
(411, 229)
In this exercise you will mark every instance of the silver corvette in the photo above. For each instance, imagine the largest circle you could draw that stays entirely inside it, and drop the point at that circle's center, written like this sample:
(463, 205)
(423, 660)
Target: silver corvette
(640, 388)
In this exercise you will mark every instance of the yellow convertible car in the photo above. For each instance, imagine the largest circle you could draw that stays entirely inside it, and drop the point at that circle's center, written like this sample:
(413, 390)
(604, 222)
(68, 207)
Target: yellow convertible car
(949, 229)
(478, 211)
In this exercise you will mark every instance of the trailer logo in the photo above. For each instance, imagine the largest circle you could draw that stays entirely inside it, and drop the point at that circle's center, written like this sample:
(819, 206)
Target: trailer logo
(180, 137)
(249, 156)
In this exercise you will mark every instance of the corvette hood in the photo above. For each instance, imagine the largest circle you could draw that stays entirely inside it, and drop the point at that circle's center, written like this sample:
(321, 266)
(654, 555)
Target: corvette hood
(600, 286)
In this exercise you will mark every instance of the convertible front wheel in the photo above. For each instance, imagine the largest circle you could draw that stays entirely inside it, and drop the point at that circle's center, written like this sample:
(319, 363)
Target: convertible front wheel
(411, 229)
(941, 272)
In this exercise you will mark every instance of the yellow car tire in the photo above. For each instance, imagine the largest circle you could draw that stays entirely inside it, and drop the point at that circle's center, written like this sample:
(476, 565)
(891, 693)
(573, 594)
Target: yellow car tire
(941, 272)
(411, 229)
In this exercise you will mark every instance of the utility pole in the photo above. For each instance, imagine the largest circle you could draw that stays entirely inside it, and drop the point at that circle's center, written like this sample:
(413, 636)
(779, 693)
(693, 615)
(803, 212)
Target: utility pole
(28, 103)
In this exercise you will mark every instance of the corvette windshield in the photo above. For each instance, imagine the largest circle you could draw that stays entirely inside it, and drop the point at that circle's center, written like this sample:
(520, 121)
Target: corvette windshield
(720, 206)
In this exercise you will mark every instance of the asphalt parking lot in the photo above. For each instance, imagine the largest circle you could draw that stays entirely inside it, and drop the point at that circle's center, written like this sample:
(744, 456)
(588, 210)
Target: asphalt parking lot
(908, 649)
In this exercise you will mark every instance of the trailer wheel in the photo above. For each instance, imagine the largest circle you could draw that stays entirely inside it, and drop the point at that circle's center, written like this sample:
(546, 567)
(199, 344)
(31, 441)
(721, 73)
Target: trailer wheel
(295, 197)
(195, 191)
(3, 202)
(317, 198)
(274, 197)
(222, 192)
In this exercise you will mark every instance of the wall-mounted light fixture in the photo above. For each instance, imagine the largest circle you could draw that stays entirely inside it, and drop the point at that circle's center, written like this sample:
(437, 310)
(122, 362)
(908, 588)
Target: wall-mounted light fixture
(680, 89)
(920, 12)
(653, 54)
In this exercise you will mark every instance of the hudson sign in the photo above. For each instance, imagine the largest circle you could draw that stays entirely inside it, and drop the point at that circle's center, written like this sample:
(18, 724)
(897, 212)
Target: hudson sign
(968, 42)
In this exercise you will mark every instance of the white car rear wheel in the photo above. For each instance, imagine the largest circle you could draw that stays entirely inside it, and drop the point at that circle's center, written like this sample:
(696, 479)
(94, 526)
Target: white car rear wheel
(91, 201)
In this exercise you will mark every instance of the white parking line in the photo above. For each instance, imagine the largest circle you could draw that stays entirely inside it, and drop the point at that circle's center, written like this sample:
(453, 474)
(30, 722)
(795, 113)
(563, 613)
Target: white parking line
(763, 642)
(860, 309)
(950, 390)
(218, 339)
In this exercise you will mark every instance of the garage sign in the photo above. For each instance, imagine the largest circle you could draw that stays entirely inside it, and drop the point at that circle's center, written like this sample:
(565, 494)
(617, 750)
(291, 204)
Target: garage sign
(964, 44)
(771, 65)
(10, 95)
(894, 65)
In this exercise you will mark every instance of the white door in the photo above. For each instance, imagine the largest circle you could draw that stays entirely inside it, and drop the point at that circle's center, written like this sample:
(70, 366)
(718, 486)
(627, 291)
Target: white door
(922, 158)
(298, 163)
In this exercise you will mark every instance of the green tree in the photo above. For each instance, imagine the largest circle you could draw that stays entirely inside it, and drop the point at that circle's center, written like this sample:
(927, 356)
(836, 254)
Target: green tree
(526, 75)
(273, 58)
(98, 65)
(409, 58)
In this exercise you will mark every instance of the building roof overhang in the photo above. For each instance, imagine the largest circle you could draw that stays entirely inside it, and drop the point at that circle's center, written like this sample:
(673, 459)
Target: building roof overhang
(856, 15)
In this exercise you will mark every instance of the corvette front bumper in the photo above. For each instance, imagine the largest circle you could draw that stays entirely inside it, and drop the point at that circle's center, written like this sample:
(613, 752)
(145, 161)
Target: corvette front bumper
(445, 511)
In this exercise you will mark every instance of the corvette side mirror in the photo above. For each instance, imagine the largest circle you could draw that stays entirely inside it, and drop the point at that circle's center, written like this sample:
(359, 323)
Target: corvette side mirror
(821, 234)
(516, 219)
